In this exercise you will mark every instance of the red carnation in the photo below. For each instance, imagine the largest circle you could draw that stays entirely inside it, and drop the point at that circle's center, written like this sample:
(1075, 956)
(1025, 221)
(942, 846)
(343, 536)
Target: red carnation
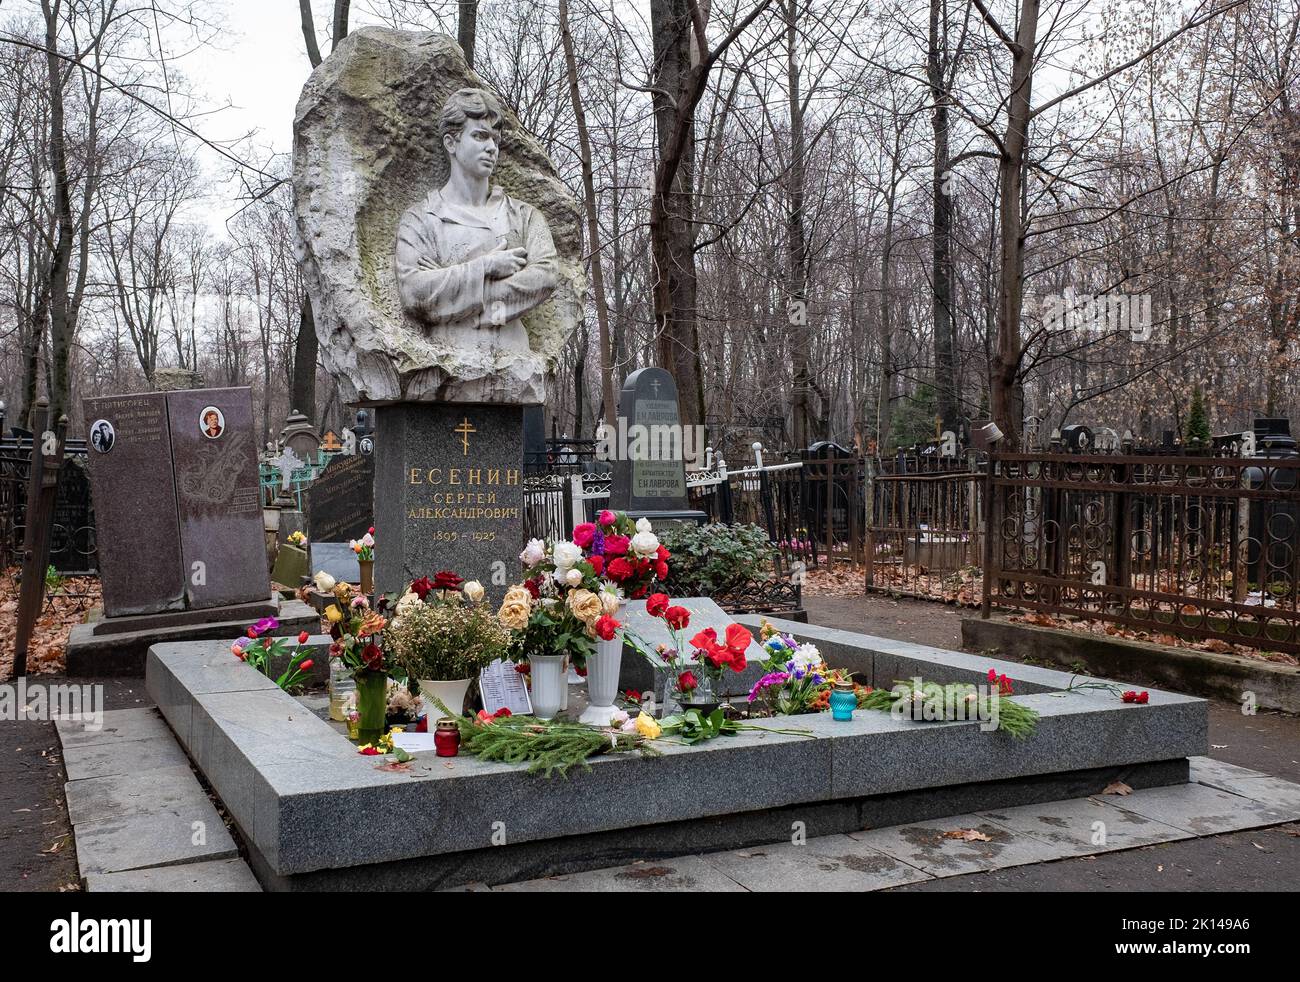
(583, 535)
(657, 604)
(1129, 696)
(533, 587)
(607, 517)
(1142, 697)
(677, 617)
(663, 554)
(597, 564)
(501, 713)
(619, 570)
(605, 627)
(616, 545)
(661, 570)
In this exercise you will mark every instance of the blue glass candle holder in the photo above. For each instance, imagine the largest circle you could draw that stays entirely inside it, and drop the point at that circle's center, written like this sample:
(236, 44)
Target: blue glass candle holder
(843, 701)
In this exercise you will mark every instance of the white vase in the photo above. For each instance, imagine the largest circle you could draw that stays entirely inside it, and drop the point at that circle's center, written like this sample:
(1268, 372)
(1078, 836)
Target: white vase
(549, 684)
(451, 693)
(565, 670)
(602, 682)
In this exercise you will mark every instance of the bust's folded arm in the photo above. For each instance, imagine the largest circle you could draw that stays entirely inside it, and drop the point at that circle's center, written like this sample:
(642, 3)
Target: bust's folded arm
(512, 297)
(429, 291)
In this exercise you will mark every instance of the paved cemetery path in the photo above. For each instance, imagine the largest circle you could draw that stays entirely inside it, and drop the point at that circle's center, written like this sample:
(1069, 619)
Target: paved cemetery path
(36, 847)
(1266, 859)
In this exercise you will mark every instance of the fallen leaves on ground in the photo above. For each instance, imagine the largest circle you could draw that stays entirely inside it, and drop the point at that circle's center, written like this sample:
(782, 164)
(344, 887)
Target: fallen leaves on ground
(967, 835)
(1214, 645)
(47, 650)
(1117, 787)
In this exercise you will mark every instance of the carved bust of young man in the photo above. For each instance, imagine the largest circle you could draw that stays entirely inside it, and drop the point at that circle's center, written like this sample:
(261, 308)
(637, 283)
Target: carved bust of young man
(471, 260)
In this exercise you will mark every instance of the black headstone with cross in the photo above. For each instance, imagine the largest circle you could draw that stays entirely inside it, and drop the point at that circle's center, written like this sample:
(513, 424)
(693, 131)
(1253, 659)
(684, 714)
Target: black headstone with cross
(649, 448)
(449, 492)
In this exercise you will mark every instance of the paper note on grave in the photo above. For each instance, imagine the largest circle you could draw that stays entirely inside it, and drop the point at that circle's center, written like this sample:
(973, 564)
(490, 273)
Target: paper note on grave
(503, 687)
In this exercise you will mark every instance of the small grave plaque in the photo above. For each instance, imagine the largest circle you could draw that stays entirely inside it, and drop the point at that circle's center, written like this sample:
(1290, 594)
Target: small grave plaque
(340, 502)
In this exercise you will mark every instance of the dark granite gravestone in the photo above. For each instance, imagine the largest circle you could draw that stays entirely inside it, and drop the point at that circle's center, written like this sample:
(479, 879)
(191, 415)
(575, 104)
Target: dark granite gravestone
(137, 530)
(340, 502)
(448, 492)
(218, 497)
(648, 447)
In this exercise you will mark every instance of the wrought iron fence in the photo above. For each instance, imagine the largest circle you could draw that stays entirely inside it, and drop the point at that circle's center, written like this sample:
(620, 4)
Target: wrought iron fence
(72, 543)
(1198, 547)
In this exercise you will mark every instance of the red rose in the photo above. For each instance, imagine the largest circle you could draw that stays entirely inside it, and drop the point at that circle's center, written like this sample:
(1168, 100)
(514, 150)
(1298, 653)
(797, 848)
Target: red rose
(372, 657)
(619, 570)
(302, 637)
(640, 592)
(533, 587)
(632, 695)
(657, 604)
(597, 564)
(993, 674)
(306, 665)
(686, 682)
(677, 617)
(422, 587)
(616, 545)
(584, 534)
(605, 627)
(522, 667)
(501, 713)
(446, 580)
(252, 632)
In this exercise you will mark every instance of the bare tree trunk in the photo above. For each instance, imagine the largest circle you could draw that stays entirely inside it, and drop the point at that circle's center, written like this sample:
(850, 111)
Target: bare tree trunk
(309, 32)
(1007, 396)
(945, 365)
(593, 220)
(304, 363)
(62, 324)
(796, 240)
(467, 27)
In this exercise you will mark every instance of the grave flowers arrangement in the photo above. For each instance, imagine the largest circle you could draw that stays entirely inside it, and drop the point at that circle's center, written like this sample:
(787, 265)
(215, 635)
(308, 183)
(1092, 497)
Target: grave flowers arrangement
(797, 679)
(696, 667)
(956, 701)
(357, 630)
(260, 650)
(443, 635)
(626, 554)
(364, 547)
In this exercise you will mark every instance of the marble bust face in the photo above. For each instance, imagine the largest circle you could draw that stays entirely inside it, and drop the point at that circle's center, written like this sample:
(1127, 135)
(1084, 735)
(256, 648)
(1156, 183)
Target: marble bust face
(472, 260)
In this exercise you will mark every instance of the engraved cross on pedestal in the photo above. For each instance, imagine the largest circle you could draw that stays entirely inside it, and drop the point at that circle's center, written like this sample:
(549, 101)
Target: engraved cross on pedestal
(464, 429)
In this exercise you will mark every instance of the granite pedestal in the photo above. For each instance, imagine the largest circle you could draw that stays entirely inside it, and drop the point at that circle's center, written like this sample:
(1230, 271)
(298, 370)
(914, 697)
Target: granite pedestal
(449, 492)
(314, 814)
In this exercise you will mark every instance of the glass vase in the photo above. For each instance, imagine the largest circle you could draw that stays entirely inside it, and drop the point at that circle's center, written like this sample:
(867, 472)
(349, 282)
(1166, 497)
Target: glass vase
(372, 705)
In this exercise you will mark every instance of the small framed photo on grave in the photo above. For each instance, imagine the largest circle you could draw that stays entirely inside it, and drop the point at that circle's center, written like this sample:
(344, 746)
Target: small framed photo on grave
(102, 435)
(212, 422)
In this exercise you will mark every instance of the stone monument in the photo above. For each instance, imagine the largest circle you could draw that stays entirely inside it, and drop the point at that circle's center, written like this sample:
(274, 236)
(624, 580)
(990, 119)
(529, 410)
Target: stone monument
(442, 256)
(650, 446)
(178, 523)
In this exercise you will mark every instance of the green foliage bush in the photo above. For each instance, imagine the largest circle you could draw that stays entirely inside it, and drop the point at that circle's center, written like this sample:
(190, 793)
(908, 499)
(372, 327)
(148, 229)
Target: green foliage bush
(707, 559)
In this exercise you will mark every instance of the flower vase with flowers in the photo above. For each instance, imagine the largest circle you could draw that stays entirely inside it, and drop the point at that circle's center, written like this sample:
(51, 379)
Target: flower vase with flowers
(442, 635)
(364, 548)
(552, 616)
(357, 630)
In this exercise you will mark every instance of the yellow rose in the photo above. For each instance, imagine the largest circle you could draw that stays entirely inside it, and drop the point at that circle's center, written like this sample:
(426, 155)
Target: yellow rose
(514, 614)
(333, 614)
(519, 594)
(648, 727)
(586, 606)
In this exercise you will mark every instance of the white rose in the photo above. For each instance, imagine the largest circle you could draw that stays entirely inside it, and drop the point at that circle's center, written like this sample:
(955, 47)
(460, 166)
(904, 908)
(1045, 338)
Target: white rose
(573, 577)
(643, 525)
(566, 554)
(408, 603)
(609, 603)
(645, 543)
(533, 553)
(324, 582)
(473, 591)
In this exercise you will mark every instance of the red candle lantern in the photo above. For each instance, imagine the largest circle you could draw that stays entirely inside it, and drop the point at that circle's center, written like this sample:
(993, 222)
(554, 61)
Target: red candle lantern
(446, 738)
